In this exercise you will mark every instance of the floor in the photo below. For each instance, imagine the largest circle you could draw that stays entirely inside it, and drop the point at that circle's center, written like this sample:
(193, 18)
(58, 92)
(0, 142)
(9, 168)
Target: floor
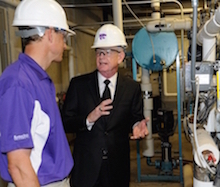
(151, 170)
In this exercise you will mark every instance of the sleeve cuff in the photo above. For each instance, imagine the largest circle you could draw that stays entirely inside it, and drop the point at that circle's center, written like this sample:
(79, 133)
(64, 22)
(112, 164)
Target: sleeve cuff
(135, 124)
(89, 125)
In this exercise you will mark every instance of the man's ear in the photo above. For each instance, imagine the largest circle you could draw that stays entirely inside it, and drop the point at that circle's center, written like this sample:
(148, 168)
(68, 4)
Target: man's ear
(49, 34)
(121, 57)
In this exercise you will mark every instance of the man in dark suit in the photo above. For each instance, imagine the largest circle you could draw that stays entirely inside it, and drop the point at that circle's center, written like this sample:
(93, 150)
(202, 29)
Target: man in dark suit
(102, 114)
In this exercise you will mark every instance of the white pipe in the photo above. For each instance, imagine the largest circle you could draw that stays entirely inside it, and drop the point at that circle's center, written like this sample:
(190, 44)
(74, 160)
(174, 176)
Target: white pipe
(146, 87)
(148, 142)
(210, 29)
(207, 37)
(117, 17)
(165, 85)
(209, 49)
(13, 3)
(155, 5)
(117, 13)
(169, 25)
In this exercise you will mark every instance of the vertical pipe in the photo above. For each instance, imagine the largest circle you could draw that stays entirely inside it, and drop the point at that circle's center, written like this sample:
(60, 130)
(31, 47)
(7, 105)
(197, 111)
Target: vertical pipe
(146, 87)
(117, 17)
(117, 13)
(209, 49)
(155, 5)
(179, 116)
(194, 33)
(134, 69)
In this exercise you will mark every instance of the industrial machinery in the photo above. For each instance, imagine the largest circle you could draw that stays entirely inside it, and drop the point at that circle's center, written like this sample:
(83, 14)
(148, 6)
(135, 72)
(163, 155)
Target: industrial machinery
(165, 52)
(203, 117)
(201, 93)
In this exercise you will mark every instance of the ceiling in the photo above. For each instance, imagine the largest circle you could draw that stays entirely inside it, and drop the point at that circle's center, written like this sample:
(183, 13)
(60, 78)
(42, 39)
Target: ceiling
(142, 10)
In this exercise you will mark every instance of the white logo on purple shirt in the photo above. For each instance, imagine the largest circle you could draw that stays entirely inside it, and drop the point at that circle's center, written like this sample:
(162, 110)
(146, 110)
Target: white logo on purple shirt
(102, 36)
(21, 137)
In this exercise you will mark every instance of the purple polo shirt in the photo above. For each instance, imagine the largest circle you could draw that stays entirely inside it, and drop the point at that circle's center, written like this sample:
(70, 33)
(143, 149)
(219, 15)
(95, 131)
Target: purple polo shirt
(30, 118)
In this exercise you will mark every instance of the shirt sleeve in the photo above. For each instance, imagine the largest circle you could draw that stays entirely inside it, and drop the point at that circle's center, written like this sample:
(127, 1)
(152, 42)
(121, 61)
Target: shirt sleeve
(16, 113)
(89, 124)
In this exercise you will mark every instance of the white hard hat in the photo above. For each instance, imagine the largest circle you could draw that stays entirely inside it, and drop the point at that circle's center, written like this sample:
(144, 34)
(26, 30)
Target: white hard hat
(41, 13)
(109, 36)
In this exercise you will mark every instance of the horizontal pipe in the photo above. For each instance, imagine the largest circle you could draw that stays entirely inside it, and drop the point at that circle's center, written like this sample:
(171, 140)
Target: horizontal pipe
(169, 25)
(103, 4)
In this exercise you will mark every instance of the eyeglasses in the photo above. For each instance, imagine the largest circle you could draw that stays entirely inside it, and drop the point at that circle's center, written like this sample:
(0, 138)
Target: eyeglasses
(106, 52)
(63, 32)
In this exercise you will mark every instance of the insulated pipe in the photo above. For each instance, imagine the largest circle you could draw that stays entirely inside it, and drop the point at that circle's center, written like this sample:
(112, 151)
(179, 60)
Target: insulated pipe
(117, 17)
(146, 87)
(194, 33)
(207, 37)
(155, 5)
(209, 50)
(117, 13)
(148, 142)
(210, 29)
(169, 25)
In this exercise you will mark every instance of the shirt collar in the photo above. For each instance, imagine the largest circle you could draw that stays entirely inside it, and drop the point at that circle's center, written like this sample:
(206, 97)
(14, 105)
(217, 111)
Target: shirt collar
(113, 79)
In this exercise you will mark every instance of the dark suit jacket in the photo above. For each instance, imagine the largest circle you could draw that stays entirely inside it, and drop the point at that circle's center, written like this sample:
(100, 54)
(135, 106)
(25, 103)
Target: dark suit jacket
(111, 134)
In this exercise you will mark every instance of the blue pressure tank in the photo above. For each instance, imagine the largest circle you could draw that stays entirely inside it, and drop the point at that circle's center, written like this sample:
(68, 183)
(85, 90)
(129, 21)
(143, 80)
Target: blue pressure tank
(158, 56)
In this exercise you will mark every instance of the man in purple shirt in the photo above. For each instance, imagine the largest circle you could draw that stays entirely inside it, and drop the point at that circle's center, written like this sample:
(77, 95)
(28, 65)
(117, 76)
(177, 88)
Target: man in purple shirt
(33, 147)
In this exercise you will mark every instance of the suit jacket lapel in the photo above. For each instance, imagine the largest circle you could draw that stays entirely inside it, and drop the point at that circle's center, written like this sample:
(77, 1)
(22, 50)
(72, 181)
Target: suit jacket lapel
(93, 80)
(94, 90)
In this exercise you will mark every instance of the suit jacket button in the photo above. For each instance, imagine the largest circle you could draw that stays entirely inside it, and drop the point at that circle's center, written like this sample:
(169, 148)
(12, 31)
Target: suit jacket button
(106, 133)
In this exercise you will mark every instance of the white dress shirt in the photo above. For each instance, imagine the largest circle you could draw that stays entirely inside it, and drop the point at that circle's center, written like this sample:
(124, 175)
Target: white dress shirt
(112, 86)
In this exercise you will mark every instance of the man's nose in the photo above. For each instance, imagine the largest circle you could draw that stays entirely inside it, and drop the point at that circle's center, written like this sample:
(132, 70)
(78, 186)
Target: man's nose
(65, 46)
